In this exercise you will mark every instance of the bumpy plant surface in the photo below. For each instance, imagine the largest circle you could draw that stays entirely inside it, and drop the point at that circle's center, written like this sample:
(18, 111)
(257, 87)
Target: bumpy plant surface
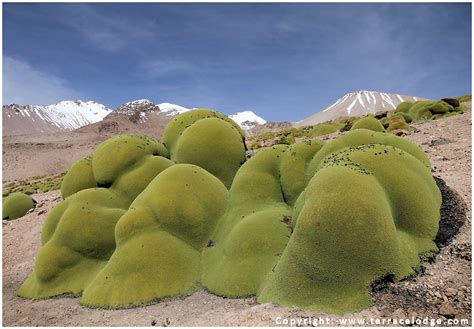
(312, 224)
(368, 123)
(16, 205)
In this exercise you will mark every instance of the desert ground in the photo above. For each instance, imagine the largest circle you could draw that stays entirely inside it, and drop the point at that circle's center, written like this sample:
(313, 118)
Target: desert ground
(441, 289)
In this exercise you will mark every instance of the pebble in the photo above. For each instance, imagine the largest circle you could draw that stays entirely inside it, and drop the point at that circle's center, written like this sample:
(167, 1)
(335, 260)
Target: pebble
(399, 314)
(447, 310)
(450, 292)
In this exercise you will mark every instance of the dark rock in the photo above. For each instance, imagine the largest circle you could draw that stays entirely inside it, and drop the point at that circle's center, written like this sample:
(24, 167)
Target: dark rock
(451, 101)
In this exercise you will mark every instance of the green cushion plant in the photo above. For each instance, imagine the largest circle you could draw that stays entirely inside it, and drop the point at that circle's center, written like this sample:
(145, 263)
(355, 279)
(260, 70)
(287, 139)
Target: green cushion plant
(16, 205)
(311, 224)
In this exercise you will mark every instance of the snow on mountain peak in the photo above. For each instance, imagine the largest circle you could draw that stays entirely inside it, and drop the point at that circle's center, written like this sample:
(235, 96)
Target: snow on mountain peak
(65, 115)
(138, 102)
(357, 103)
(172, 109)
(247, 119)
(73, 114)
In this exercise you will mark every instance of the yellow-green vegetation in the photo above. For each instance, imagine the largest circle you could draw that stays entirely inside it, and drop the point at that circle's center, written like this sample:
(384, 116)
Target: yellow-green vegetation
(397, 124)
(326, 128)
(36, 184)
(368, 123)
(16, 205)
(78, 177)
(404, 107)
(311, 224)
(208, 139)
(427, 109)
(464, 98)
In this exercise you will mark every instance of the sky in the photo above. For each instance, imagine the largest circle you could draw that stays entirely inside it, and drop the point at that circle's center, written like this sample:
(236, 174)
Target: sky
(282, 61)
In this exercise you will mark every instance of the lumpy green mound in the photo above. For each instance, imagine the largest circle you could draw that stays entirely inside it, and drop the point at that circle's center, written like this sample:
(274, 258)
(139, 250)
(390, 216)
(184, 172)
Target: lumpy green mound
(208, 139)
(325, 128)
(359, 218)
(426, 109)
(404, 107)
(368, 123)
(312, 224)
(79, 177)
(16, 205)
(158, 242)
(398, 124)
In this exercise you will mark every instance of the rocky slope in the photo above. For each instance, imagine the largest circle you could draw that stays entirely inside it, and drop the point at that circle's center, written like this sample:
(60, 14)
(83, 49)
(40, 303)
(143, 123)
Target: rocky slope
(356, 104)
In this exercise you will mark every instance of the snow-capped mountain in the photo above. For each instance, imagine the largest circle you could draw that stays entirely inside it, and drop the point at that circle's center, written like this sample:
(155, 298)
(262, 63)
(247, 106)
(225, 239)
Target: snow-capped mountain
(172, 109)
(138, 116)
(356, 104)
(65, 115)
(247, 119)
(145, 105)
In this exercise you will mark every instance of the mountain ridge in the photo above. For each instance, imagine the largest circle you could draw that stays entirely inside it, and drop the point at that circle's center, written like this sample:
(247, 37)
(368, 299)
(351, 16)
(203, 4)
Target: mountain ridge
(357, 103)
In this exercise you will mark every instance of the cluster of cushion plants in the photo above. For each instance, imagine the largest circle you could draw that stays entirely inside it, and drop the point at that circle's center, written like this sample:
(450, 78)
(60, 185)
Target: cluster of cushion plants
(312, 224)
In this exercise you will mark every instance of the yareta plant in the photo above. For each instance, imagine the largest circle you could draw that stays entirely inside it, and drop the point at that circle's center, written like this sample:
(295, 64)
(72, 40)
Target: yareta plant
(16, 205)
(312, 224)
(368, 123)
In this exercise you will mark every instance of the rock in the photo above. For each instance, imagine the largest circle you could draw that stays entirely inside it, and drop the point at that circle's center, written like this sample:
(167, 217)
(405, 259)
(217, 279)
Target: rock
(451, 101)
(399, 314)
(412, 314)
(451, 292)
(447, 310)
(249, 154)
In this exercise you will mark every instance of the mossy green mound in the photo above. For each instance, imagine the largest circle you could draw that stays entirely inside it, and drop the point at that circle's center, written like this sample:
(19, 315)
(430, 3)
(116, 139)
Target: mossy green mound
(398, 124)
(79, 233)
(126, 150)
(79, 177)
(359, 218)
(208, 139)
(464, 98)
(402, 116)
(77, 241)
(16, 205)
(312, 224)
(158, 243)
(426, 109)
(368, 123)
(252, 235)
(325, 128)
(404, 107)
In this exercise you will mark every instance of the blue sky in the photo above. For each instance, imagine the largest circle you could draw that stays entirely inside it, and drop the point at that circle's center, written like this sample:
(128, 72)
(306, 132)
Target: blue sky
(283, 61)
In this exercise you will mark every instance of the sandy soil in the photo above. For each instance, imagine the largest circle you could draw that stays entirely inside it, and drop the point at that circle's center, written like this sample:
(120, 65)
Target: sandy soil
(441, 290)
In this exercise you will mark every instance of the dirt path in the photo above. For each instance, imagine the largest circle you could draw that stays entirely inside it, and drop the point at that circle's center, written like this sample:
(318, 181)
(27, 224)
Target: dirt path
(442, 290)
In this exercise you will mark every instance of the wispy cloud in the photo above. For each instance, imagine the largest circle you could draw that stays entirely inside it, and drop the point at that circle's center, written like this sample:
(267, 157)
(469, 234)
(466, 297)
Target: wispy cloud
(110, 33)
(24, 84)
(157, 68)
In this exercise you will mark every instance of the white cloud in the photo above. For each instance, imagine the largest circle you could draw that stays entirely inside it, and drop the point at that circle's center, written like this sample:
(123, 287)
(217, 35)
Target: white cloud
(24, 84)
(165, 68)
(106, 32)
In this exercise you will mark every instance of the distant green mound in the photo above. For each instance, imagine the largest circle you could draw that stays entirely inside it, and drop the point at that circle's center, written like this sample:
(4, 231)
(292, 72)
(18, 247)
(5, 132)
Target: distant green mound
(16, 205)
(311, 224)
(368, 123)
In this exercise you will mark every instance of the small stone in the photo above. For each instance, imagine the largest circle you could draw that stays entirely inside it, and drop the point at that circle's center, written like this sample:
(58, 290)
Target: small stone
(447, 310)
(451, 292)
(412, 314)
(399, 314)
